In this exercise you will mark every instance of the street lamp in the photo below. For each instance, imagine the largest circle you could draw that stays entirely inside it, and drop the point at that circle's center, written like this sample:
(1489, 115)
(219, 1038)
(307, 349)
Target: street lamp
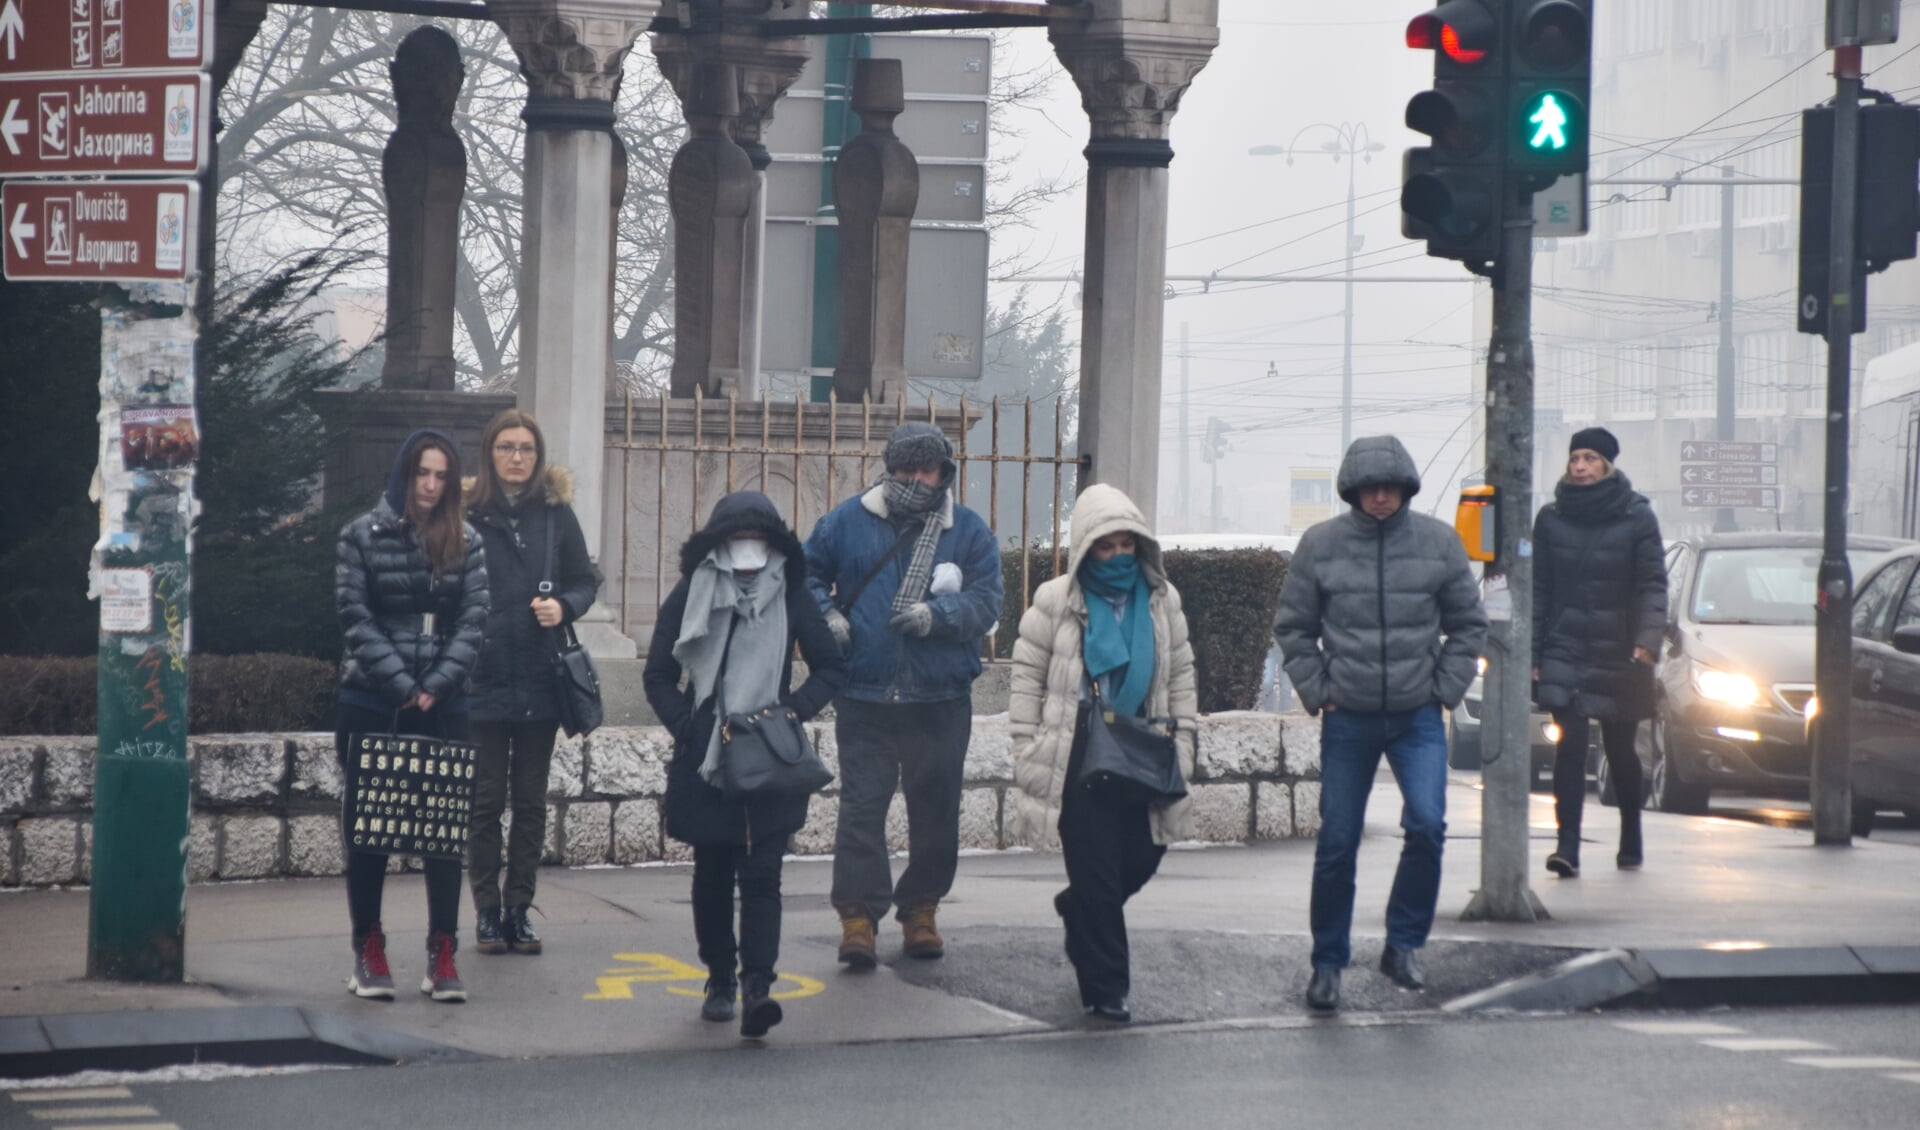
(1348, 140)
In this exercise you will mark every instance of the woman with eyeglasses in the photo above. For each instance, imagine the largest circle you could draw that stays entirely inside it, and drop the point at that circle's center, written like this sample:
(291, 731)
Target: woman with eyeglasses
(541, 580)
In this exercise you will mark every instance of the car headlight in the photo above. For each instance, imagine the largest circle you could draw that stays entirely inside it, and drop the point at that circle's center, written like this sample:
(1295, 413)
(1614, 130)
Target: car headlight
(1551, 731)
(1813, 707)
(1726, 687)
(1480, 665)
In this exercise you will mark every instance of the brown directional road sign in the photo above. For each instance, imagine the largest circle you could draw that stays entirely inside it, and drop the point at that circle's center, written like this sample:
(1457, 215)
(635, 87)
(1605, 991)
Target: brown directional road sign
(104, 35)
(83, 125)
(104, 231)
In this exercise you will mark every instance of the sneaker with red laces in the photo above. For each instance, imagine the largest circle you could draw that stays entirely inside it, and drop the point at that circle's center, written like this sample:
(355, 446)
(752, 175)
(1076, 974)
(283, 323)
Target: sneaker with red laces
(442, 981)
(371, 978)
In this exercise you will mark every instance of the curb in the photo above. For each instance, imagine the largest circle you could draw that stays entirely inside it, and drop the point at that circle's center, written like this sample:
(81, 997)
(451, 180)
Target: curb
(1707, 977)
(263, 1036)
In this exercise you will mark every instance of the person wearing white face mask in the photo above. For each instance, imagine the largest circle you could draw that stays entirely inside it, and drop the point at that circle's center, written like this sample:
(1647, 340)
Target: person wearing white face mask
(728, 630)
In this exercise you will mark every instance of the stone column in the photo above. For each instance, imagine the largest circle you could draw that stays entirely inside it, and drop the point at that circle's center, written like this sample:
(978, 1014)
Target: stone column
(1132, 60)
(876, 186)
(424, 173)
(570, 52)
(710, 189)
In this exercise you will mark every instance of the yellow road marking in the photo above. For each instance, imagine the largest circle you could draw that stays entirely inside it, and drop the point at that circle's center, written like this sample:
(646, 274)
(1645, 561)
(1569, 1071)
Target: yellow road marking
(616, 984)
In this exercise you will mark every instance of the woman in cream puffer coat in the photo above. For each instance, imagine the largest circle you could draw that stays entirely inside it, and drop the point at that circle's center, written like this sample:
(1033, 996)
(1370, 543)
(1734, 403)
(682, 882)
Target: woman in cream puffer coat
(1111, 849)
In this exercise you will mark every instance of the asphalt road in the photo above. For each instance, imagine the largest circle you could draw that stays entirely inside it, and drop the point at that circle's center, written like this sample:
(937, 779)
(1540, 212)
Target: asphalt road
(1855, 1068)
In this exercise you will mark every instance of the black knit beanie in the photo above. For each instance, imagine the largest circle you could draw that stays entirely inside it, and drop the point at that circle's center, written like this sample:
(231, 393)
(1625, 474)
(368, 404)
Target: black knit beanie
(1596, 439)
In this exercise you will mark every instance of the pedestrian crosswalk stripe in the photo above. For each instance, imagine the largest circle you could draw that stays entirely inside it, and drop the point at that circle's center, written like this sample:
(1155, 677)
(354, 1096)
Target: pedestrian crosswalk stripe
(1855, 1062)
(1767, 1044)
(1677, 1028)
(72, 1094)
(62, 1114)
(1906, 1076)
(124, 1126)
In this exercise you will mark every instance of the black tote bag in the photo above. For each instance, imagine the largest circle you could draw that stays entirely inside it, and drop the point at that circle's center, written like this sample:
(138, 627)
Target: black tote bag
(576, 680)
(765, 752)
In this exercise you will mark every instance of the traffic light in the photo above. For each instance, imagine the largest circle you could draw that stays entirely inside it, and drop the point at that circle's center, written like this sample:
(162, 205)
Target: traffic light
(1214, 449)
(1886, 210)
(1551, 74)
(1453, 190)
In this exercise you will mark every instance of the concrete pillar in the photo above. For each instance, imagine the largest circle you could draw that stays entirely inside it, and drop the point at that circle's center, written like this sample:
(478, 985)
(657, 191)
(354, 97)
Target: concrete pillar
(876, 186)
(570, 52)
(423, 171)
(1132, 60)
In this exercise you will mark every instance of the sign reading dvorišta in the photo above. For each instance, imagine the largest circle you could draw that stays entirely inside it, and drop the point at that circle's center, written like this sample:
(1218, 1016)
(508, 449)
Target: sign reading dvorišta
(409, 795)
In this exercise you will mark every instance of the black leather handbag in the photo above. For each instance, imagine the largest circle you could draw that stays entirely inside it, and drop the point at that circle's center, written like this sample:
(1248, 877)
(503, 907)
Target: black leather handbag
(1135, 758)
(576, 680)
(765, 752)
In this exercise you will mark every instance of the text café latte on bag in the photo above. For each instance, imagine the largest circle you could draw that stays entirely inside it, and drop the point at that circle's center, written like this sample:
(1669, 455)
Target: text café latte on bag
(411, 795)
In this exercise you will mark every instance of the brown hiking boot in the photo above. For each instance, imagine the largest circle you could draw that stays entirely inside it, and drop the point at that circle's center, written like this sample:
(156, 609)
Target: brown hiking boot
(856, 942)
(921, 939)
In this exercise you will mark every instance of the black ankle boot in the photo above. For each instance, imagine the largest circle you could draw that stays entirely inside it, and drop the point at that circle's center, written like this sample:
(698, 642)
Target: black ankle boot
(718, 1006)
(519, 931)
(758, 1010)
(487, 937)
(1630, 852)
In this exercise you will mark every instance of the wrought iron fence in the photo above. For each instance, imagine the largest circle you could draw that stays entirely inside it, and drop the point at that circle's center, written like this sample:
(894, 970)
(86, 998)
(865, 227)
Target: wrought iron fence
(807, 457)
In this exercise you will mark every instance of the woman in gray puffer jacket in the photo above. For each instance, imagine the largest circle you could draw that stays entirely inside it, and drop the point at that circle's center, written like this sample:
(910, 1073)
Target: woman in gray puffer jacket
(411, 589)
(1599, 608)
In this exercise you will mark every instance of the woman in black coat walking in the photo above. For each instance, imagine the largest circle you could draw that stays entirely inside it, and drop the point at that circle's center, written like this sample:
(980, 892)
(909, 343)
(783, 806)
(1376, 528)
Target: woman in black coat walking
(541, 580)
(411, 589)
(731, 624)
(1599, 610)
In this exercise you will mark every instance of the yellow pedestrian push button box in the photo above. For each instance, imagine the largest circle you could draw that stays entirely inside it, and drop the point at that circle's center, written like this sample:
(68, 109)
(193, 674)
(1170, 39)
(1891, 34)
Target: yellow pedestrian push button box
(1477, 521)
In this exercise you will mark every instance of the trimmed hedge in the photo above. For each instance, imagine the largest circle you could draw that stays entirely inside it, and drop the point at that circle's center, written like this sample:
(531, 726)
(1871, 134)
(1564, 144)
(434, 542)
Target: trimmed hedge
(1230, 596)
(227, 694)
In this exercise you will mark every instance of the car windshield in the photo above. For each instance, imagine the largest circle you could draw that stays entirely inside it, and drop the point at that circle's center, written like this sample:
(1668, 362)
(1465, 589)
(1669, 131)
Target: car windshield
(1765, 585)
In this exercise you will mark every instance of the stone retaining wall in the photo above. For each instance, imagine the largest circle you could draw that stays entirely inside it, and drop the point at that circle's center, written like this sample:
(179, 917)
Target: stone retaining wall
(267, 805)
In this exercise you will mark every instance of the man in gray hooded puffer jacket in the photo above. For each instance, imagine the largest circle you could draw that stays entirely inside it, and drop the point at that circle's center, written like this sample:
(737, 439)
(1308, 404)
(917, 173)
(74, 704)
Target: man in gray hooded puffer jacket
(1381, 624)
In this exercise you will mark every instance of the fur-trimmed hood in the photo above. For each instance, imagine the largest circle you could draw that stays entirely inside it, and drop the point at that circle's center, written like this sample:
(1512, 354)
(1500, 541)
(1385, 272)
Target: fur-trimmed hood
(745, 510)
(558, 492)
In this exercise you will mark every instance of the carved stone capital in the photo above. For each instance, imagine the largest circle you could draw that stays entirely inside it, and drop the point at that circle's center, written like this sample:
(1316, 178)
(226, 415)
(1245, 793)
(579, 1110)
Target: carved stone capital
(764, 68)
(1134, 59)
(572, 49)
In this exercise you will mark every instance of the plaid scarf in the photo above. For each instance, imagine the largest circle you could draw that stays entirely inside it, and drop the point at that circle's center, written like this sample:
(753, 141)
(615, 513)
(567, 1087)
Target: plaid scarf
(915, 500)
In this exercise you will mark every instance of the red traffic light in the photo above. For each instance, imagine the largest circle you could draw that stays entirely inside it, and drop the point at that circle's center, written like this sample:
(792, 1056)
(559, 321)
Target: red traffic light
(1462, 30)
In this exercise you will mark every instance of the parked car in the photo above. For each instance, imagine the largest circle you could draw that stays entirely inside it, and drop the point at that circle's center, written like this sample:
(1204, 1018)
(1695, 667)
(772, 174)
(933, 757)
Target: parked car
(1465, 747)
(1885, 691)
(1736, 670)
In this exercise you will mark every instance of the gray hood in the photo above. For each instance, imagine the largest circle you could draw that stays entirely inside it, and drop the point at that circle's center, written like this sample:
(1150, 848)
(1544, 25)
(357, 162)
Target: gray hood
(1377, 461)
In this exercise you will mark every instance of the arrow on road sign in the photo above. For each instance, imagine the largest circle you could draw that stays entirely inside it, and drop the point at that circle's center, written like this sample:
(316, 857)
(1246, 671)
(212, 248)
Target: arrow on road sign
(1692, 496)
(13, 28)
(1690, 474)
(20, 231)
(1686, 451)
(12, 127)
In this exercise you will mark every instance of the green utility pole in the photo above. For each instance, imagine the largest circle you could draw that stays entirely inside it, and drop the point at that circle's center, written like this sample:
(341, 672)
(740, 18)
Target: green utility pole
(142, 792)
(837, 124)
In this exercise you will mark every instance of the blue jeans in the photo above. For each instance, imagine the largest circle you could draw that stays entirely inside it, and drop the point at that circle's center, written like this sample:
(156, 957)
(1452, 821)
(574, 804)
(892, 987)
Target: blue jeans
(1351, 743)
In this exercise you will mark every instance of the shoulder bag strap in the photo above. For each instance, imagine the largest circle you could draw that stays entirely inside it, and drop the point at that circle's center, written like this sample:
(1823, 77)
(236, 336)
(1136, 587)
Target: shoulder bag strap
(720, 680)
(846, 601)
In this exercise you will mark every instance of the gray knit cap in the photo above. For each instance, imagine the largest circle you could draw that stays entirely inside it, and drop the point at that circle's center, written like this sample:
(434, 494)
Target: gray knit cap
(916, 445)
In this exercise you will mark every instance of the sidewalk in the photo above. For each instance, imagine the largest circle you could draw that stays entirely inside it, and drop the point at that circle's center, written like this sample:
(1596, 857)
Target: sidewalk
(1219, 934)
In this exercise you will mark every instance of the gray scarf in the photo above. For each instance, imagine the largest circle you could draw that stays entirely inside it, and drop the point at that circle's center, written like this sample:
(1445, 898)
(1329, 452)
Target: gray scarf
(914, 499)
(753, 608)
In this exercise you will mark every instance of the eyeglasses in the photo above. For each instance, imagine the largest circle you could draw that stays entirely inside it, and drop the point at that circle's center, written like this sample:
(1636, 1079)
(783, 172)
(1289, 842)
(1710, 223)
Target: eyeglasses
(515, 450)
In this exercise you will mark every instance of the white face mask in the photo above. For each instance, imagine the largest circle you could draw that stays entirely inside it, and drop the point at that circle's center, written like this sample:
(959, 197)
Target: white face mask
(747, 554)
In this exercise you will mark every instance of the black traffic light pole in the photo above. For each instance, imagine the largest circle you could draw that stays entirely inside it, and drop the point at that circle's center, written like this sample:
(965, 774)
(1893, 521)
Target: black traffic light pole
(1833, 646)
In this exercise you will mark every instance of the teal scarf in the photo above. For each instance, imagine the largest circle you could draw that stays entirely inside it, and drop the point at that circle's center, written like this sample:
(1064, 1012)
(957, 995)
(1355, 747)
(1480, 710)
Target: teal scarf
(1123, 644)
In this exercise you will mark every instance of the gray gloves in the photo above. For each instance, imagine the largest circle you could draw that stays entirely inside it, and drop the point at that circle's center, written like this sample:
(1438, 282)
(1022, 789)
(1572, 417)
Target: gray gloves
(916, 621)
(842, 631)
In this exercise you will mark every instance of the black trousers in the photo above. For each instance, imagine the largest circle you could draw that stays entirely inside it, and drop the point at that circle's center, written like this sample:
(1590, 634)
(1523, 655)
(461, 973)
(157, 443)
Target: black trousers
(1570, 775)
(716, 870)
(921, 749)
(1110, 854)
(514, 760)
(367, 870)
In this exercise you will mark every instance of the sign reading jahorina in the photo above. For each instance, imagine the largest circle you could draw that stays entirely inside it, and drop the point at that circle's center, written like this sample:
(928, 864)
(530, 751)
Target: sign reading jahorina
(409, 795)
(108, 125)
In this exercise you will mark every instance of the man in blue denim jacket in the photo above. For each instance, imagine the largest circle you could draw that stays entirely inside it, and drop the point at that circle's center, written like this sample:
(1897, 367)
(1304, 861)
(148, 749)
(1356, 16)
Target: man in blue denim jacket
(910, 583)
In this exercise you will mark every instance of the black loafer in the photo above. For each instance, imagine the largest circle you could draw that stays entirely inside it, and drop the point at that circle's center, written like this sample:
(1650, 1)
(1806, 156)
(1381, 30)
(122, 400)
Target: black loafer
(1398, 965)
(1113, 1012)
(1323, 992)
(1564, 866)
(718, 1007)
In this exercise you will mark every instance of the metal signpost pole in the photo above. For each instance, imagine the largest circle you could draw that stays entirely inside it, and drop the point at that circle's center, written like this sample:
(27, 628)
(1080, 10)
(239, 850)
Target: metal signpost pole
(1724, 387)
(1506, 767)
(1833, 656)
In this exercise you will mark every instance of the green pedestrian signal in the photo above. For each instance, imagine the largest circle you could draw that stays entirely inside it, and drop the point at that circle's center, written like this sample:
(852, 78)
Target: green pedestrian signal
(1550, 120)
